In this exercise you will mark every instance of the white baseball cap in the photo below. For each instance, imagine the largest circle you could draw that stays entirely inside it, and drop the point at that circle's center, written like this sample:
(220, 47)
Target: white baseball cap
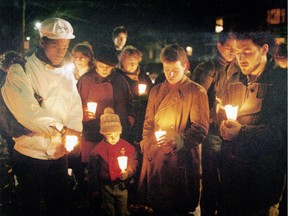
(56, 28)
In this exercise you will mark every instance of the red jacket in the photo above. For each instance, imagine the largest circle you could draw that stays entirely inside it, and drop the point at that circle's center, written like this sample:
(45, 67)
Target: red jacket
(103, 163)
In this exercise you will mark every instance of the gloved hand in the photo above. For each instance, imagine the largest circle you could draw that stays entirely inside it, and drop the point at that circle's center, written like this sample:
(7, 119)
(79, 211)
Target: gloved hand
(229, 129)
(123, 175)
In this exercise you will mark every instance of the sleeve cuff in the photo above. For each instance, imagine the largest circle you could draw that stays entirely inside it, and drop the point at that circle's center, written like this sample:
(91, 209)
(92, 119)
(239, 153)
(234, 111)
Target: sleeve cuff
(179, 140)
(57, 126)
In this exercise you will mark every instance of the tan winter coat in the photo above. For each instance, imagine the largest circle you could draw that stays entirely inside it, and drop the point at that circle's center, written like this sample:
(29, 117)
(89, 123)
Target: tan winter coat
(172, 180)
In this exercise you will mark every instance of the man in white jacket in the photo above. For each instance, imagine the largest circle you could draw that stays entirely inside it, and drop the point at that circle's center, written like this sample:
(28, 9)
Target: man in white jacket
(44, 99)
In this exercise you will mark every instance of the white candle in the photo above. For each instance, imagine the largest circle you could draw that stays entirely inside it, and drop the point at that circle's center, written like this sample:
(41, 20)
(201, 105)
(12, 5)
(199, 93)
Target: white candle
(142, 88)
(92, 106)
(71, 142)
(159, 133)
(70, 171)
(122, 161)
(231, 112)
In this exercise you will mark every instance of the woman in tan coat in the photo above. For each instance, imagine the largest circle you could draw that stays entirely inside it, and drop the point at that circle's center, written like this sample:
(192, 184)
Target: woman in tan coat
(170, 175)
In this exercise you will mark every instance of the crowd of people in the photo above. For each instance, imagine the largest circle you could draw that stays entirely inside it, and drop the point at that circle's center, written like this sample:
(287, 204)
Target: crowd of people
(182, 150)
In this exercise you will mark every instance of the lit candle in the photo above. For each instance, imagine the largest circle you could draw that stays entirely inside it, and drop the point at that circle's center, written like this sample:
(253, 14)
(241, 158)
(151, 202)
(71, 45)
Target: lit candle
(70, 171)
(231, 112)
(92, 106)
(159, 133)
(122, 161)
(71, 142)
(142, 88)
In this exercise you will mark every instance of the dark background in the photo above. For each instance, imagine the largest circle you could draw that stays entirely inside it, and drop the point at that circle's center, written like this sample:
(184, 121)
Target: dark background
(150, 23)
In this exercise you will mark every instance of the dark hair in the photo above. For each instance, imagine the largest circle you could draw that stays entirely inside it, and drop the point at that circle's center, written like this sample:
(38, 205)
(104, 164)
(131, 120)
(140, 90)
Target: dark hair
(12, 57)
(224, 36)
(118, 30)
(86, 49)
(172, 53)
(281, 50)
(106, 55)
(260, 35)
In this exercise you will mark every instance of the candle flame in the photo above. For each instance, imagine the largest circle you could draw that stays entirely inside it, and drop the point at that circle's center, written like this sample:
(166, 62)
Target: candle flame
(142, 88)
(231, 112)
(122, 161)
(159, 133)
(71, 142)
(92, 106)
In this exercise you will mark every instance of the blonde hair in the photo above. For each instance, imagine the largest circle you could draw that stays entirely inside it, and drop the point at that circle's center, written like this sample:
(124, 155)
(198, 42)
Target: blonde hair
(130, 51)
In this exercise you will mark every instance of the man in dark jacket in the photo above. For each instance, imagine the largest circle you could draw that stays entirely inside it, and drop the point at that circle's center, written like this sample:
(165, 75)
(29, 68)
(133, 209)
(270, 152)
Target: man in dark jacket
(253, 153)
(213, 76)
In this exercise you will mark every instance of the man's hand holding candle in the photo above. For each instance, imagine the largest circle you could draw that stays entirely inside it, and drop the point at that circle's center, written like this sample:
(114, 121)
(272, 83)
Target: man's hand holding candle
(229, 129)
(68, 132)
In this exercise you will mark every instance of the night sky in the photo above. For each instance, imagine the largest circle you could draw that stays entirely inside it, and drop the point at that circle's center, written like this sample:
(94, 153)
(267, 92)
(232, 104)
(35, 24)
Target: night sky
(94, 20)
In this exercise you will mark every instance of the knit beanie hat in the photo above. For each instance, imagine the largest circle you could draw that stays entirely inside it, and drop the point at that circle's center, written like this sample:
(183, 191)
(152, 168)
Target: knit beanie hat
(110, 122)
(106, 55)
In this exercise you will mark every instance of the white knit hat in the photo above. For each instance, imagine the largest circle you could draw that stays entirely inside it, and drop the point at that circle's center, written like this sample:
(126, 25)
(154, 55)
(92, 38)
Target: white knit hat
(110, 122)
(56, 28)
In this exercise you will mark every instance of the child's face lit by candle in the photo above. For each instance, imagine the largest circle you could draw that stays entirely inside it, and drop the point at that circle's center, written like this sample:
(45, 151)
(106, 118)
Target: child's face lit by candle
(112, 138)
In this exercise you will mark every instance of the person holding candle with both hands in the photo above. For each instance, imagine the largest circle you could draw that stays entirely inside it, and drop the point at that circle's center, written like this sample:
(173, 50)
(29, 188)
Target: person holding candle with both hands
(107, 175)
(254, 150)
(40, 157)
(170, 175)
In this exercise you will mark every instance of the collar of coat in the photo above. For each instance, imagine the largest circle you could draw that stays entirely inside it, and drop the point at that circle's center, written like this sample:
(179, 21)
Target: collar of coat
(178, 85)
(175, 92)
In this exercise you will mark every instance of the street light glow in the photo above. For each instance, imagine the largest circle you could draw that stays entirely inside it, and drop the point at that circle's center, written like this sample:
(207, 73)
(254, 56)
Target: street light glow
(37, 25)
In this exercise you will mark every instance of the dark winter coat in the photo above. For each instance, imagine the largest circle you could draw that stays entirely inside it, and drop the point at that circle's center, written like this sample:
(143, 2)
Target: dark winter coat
(139, 101)
(253, 165)
(213, 76)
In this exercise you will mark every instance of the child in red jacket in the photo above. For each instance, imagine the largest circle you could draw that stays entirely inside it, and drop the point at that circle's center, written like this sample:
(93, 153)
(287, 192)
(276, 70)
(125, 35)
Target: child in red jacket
(106, 177)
